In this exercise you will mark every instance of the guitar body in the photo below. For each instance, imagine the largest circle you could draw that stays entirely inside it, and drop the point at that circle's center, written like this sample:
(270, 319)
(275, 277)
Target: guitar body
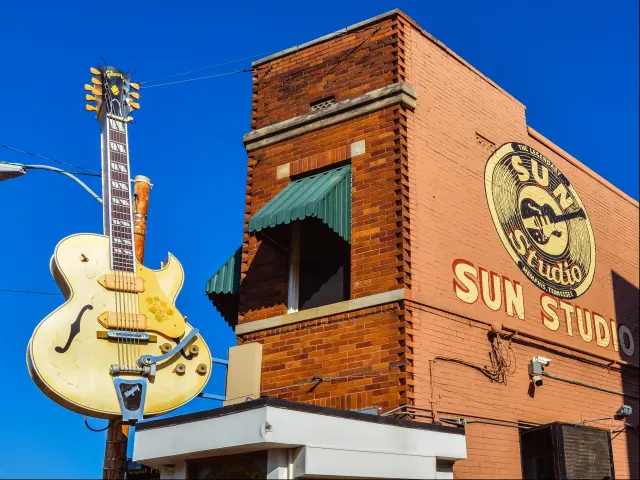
(69, 357)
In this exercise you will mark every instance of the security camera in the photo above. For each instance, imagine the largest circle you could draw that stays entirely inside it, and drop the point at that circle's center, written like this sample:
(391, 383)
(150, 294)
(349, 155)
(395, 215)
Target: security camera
(537, 380)
(543, 360)
(623, 412)
(535, 371)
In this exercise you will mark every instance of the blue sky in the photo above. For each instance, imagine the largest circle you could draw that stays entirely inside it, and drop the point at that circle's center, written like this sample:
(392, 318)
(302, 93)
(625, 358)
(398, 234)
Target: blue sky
(574, 64)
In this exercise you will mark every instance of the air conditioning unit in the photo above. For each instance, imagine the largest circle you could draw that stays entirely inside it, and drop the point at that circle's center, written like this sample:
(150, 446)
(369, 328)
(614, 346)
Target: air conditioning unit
(562, 451)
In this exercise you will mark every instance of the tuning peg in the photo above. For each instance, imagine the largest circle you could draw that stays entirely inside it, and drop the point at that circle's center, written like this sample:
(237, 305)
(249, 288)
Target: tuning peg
(134, 105)
(95, 71)
(95, 81)
(92, 89)
(90, 98)
(135, 86)
(135, 95)
(91, 108)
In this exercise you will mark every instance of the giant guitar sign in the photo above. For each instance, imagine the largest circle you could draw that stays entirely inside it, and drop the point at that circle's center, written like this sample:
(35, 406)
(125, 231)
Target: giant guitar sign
(118, 346)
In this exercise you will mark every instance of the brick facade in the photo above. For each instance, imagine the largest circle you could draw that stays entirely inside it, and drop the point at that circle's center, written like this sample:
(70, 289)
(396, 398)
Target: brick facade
(419, 205)
(285, 87)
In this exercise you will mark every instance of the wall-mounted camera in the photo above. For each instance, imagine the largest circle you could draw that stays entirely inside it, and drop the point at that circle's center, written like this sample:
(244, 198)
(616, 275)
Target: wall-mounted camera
(536, 369)
(543, 360)
(623, 412)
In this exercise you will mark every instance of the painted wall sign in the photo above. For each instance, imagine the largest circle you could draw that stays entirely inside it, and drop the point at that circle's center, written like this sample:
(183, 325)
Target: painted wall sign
(472, 283)
(541, 220)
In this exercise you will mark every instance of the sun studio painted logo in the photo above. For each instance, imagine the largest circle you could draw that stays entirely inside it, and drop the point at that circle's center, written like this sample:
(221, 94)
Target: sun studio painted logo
(541, 220)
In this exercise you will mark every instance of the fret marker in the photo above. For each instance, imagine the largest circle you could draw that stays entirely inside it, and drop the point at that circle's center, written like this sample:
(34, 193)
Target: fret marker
(119, 185)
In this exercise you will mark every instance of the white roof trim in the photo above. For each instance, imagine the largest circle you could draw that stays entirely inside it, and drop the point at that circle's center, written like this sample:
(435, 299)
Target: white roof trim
(326, 438)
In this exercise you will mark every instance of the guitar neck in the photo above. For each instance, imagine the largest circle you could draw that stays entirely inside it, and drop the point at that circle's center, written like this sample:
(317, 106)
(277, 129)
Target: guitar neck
(570, 216)
(118, 215)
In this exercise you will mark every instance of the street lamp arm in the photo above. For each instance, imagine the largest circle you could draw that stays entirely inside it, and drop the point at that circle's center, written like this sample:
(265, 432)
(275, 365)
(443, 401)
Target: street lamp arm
(66, 174)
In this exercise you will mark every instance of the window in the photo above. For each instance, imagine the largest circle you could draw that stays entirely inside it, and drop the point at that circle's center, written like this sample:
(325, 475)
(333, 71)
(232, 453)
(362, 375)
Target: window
(319, 268)
(562, 450)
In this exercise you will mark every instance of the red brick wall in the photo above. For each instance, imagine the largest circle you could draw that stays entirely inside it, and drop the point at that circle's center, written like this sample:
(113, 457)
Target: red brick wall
(462, 391)
(418, 205)
(369, 345)
(460, 119)
(376, 240)
(345, 67)
(359, 355)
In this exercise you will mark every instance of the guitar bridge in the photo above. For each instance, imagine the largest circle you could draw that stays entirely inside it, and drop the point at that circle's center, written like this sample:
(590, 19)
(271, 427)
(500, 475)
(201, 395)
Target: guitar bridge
(127, 335)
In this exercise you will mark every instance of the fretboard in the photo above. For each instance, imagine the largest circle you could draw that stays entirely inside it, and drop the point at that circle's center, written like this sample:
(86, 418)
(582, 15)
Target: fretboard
(118, 216)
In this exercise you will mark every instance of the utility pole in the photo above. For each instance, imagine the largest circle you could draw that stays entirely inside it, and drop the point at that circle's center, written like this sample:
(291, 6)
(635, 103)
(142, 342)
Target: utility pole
(115, 454)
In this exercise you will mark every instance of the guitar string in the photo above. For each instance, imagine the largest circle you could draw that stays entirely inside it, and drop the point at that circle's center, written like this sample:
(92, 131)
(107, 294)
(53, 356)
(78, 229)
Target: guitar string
(131, 244)
(131, 237)
(123, 294)
(131, 294)
(114, 266)
(126, 321)
(128, 275)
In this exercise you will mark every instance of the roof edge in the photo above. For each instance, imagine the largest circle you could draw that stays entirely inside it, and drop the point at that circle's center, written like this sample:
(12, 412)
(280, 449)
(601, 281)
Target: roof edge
(376, 19)
(581, 166)
(296, 406)
(324, 38)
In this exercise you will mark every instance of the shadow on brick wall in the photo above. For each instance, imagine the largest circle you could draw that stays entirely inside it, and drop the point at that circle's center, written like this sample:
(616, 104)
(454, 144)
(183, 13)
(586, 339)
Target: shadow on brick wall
(627, 313)
(266, 281)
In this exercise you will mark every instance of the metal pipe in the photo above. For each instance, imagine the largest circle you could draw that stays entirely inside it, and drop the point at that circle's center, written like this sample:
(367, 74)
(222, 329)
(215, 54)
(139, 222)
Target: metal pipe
(489, 422)
(463, 421)
(66, 174)
(594, 387)
(412, 407)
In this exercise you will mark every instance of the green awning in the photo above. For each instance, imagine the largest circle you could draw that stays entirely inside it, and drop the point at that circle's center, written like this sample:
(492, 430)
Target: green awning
(326, 196)
(227, 279)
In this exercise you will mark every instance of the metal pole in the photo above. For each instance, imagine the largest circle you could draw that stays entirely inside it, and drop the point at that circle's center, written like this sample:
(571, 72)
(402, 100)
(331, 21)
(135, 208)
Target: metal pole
(115, 454)
(62, 172)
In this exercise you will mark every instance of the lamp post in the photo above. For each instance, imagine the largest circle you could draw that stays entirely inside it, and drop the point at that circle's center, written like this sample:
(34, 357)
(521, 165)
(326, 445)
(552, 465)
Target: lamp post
(15, 170)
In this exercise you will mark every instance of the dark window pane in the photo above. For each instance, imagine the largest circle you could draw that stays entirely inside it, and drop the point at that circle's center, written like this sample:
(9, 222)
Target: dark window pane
(324, 265)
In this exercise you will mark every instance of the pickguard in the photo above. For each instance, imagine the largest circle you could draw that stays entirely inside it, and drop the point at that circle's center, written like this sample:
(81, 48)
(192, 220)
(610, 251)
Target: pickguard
(75, 329)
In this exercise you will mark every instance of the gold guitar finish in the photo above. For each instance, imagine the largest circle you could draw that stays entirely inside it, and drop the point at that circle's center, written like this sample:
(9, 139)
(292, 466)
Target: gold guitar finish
(70, 363)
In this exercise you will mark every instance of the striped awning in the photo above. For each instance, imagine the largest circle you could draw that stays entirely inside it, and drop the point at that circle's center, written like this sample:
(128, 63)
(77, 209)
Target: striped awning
(227, 279)
(325, 196)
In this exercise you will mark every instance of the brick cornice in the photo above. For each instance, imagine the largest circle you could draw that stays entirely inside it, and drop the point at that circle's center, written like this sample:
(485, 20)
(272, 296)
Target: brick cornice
(397, 93)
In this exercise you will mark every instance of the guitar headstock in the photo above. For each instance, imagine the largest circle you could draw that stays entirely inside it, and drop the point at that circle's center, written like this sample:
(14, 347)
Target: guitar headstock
(113, 92)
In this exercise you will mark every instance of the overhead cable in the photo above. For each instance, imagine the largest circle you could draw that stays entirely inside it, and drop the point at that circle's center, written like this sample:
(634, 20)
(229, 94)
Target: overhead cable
(204, 68)
(31, 292)
(197, 78)
(48, 158)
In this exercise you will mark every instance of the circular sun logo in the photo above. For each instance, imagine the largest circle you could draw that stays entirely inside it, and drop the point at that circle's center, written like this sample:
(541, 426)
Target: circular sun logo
(541, 220)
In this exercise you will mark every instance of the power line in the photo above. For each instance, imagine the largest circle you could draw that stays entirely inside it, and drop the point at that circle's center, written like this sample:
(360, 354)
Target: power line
(205, 68)
(48, 158)
(376, 28)
(86, 174)
(30, 292)
(198, 78)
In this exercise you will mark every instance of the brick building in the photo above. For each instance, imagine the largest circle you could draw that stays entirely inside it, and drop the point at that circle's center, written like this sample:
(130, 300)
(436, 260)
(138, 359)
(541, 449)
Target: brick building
(410, 246)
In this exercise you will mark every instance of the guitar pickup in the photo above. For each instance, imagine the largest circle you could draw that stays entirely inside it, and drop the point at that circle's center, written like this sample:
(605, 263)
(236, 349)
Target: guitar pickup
(123, 321)
(126, 335)
(122, 283)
